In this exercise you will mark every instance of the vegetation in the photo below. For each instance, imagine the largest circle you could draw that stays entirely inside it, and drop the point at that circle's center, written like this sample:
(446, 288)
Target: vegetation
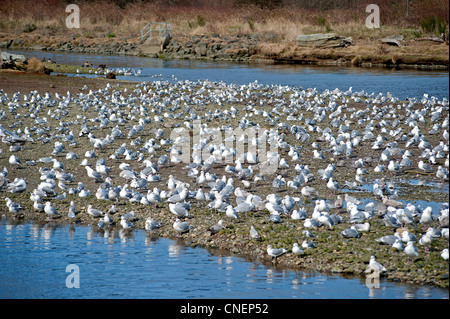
(286, 18)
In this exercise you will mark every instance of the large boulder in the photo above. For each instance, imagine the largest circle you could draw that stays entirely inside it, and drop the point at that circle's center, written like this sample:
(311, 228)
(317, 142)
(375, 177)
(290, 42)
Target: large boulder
(13, 61)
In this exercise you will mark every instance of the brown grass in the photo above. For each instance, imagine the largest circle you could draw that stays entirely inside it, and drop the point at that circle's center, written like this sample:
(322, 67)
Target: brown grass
(228, 17)
(34, 65)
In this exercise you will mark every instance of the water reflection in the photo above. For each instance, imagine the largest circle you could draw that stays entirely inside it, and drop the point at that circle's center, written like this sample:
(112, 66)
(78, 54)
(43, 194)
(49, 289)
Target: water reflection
(118, 264)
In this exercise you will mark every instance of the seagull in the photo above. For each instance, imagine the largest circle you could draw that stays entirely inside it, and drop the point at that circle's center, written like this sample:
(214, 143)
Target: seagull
(424, 167)
(309, 191)
(426, 217)
(151, 224)
(426, 240)
(275, 252)
(254, 233)
(306, 244)
(231, 212)
(376, 266)
(50, 210)
(181, 227)
(94, 212)
(275, 217)
(296, 249)
(13, 207)
(94, 174)
(388, 239)
(71, 213)
(411, 250)
(350, 232)
(14, 160)
(125, 223)
(180, 209)
(398, 244)
(444, 254)
(216, 228)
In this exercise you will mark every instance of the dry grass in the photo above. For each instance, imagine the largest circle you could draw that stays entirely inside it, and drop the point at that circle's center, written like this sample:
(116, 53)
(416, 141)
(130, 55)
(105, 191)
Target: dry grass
(34, 65)
(200, 17)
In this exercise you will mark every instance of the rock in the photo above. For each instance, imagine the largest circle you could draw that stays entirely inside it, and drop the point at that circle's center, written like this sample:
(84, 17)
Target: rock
(200, 49)
(323, 40)
(6, 44)
(13, 61)
(396, 40)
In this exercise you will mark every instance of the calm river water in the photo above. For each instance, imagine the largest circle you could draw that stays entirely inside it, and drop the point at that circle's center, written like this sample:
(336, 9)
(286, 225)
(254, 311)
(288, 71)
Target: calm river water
(34, 258)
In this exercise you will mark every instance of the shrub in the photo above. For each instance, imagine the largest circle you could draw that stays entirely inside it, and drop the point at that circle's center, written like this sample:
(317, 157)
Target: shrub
(433, 25)
(200, 20)
(29, 28)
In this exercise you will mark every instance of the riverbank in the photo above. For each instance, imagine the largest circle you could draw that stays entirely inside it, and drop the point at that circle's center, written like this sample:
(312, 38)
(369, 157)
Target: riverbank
(370, 52)
(333, 252)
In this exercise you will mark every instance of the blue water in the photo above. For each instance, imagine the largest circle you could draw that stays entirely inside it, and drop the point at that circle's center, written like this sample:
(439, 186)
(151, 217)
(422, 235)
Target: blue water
(400, 83)
(34, 259)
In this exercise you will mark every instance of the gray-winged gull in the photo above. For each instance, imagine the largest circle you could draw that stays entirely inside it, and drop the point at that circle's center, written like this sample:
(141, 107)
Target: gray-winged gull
(181, 227)
(350, 232)
(376, 266)
(94, 212)
(296, 249)
(94, 174)
(231, 212)
(151, 224)
(14, 160)
(50, 210)
(216, 228)
(275, 252)
(254, 233)
(411, 250)
(180, 209)
(126, 224)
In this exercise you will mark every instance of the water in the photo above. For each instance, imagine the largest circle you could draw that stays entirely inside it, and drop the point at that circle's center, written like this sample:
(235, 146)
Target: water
(34, 259)
(400, 83)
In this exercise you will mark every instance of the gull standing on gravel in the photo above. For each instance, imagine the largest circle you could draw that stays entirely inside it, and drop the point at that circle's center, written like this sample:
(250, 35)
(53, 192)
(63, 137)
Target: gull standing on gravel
(411, 250)
(275, 252)
(50, 210)
(376, 266)
(71, 213)
(14, 160)
(125, 223)
(296, 249)
(94, 174)
(181, 227)
(151, 224)
(231, 212)
(94, 212)
(214, 229)
(254, 233)
(180, 209)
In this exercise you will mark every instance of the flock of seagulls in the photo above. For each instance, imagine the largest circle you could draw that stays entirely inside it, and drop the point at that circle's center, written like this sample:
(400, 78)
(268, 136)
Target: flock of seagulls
(133, 144)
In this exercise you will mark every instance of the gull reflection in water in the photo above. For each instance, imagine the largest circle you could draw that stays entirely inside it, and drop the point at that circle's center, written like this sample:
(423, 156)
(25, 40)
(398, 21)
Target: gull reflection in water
(176, 248)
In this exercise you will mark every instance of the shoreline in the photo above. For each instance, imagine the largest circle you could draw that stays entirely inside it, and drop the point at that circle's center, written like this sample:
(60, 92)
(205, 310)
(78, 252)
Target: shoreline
(333, 254)
(427, 55)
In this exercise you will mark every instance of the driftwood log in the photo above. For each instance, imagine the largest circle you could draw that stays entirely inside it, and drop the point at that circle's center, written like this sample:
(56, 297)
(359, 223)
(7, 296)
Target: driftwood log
(323, 40)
